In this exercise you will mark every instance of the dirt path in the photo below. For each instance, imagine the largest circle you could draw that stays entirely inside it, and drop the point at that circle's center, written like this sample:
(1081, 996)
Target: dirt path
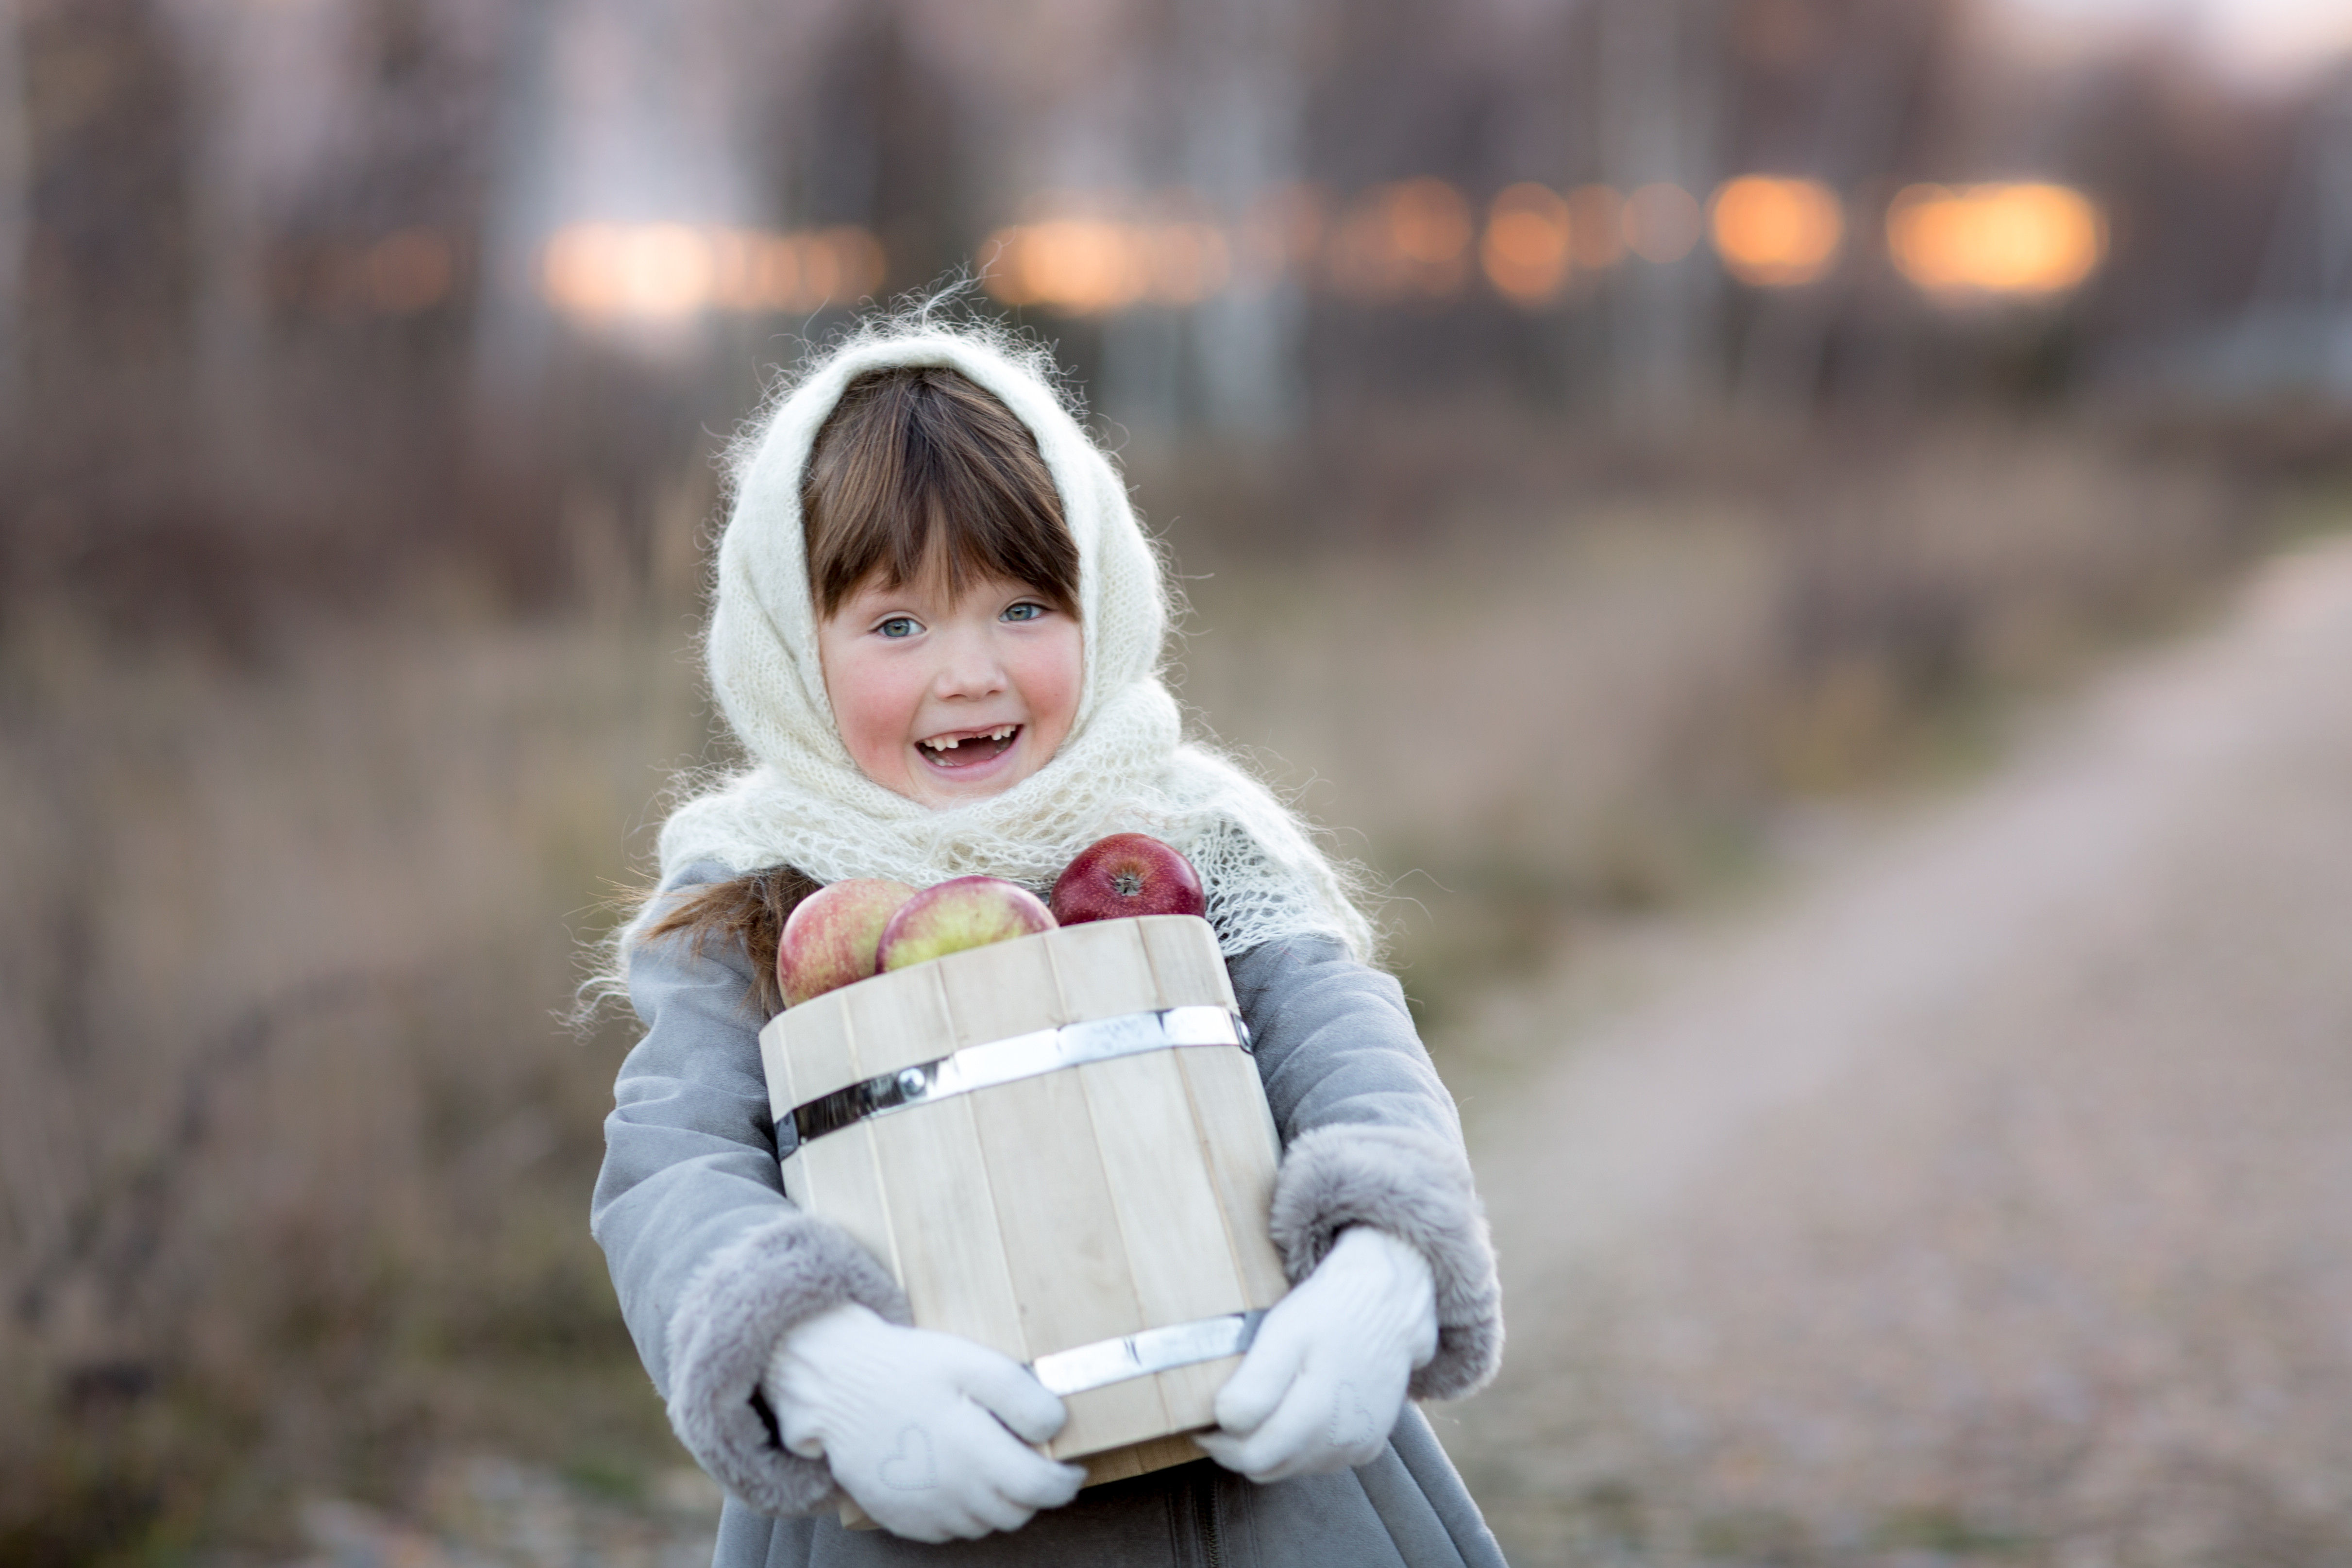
(1988, 1198)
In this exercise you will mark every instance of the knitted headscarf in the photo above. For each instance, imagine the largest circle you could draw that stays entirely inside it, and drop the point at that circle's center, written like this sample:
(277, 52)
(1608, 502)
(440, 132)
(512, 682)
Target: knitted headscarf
(1123, 767)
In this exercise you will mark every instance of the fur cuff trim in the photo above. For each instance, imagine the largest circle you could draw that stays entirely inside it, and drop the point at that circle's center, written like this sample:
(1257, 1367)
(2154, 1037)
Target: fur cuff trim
(1417, 1187)
(727, 1323)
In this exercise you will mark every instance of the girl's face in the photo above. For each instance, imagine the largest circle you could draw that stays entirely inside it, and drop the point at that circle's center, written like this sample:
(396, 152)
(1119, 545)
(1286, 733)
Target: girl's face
(945, 700)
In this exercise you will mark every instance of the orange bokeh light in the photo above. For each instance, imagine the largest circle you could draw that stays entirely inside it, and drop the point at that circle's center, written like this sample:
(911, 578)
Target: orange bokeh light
(1995, 239)
(1429, 221)
(409, 272)
(1083, 266)
(1411, 238)
(1596, 226)
(658, 272)
(1525, 252)
(1662, 222)
(1776, 232)
(1074, 256)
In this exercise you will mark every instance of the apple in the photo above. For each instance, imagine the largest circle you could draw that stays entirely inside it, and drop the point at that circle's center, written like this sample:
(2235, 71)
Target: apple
(1127, 874)
(832, 937)
(970, 912)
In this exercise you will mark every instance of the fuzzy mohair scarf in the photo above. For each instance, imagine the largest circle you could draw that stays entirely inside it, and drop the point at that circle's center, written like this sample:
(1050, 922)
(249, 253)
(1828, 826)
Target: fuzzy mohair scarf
(1124, 766)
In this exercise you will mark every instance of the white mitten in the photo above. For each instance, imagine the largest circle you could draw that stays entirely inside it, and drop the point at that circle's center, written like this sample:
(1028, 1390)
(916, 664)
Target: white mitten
(914, 1424)
(1324, 1382)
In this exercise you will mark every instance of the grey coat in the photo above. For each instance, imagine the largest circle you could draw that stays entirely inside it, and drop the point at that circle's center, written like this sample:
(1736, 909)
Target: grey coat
(712, 1264)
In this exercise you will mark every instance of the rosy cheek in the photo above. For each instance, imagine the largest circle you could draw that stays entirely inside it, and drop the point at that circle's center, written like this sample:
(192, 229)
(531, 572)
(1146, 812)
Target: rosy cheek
(870, 712)
(1056, 683)
(889, 714)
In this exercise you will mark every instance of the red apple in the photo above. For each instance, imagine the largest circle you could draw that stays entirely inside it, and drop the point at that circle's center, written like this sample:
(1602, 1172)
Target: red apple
(970, 912)
(832, 936)
(1127, 874)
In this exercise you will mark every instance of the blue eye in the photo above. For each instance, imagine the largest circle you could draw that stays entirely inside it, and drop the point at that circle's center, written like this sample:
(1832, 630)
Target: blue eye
(1026, 610)
(898, 626)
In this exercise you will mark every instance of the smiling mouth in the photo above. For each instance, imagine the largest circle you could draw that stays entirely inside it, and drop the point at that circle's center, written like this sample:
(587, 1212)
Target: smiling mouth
(962, 749)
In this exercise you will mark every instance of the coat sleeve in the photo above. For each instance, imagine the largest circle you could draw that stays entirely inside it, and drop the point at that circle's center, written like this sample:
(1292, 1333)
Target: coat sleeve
(711, 1262)
(1369, 1137)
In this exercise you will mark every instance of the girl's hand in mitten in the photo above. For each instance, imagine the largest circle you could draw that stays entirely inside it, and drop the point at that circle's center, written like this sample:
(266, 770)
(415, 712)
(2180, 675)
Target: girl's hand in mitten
(928, 1432)
(1324, 1382)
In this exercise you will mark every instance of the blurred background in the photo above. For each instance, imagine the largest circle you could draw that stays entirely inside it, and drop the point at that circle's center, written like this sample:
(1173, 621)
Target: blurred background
(1622, 455)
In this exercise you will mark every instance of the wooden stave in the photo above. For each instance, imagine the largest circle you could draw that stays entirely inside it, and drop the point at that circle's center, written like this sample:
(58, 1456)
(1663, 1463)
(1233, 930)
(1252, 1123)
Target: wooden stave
(1071, 975)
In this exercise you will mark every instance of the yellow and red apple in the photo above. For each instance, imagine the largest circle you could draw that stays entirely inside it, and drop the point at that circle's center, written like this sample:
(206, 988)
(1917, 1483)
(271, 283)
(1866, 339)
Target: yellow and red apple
(833, 937)
(967, 912)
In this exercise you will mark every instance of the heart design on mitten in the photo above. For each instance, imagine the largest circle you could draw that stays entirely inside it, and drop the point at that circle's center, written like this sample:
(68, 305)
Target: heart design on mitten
(911, 1468)
(1352, 1424)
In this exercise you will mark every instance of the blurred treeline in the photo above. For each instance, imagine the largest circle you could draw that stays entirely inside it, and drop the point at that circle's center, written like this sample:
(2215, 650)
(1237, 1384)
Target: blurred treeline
(272, 327)
(347, 589)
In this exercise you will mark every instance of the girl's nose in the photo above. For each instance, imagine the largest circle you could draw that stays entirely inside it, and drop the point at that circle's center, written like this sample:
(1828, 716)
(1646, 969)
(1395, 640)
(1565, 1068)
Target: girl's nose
(969, 667)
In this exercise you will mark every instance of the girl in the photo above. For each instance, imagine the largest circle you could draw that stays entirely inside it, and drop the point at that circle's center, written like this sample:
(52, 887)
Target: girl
(937, 632)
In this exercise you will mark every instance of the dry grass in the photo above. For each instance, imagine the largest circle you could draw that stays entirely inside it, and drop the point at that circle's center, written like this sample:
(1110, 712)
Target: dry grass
(1543, 709)
(294, 1158)
(293, 1144)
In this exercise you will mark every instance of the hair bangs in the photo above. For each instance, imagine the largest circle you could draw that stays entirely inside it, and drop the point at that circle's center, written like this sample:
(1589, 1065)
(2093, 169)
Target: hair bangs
(920, 471)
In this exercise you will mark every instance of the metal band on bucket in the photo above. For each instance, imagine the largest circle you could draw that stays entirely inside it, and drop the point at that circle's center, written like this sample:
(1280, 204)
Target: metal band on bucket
(1105, 1361)
(1022, 1055)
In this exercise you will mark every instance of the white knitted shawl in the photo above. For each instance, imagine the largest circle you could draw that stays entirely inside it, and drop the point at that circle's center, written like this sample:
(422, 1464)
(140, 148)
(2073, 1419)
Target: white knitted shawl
(1123, 768)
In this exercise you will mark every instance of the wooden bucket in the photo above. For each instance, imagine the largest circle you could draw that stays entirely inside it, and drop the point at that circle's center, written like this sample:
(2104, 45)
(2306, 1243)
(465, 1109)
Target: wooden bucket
(1044, 1143)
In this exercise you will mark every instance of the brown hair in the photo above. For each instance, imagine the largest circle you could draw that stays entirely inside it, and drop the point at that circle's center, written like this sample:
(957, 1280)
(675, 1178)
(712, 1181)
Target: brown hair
(750, 909)
(919, 469)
